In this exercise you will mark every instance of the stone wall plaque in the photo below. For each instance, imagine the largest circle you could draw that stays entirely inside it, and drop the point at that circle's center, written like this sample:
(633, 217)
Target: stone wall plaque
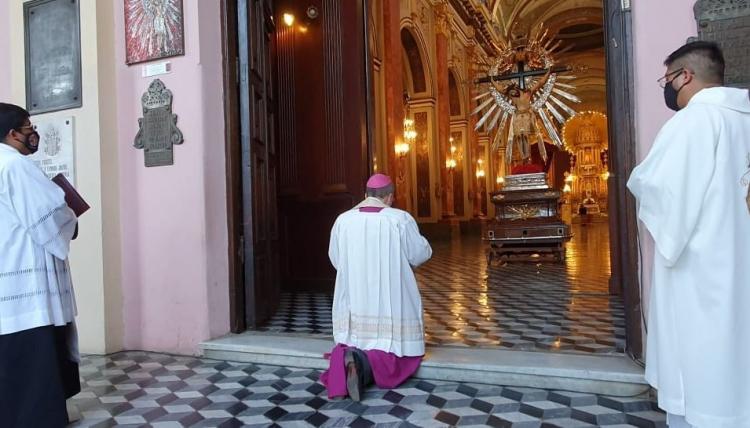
(727, 22)
(56, 154)
(53, 55)
(158, 132)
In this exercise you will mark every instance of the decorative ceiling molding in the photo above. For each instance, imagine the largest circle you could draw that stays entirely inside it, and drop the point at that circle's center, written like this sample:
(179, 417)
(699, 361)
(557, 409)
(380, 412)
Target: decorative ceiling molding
(481, 23)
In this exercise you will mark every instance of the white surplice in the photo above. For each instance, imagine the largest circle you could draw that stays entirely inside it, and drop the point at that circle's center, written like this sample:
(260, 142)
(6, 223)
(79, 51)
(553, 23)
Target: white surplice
(376, 303)
(691, 197)
(36, 227)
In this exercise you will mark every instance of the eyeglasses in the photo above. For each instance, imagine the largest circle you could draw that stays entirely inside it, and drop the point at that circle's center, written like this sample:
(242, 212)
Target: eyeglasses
(666, 79)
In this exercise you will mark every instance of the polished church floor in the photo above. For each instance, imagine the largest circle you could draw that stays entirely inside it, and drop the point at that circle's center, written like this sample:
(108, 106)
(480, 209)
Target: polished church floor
(137, 389)
(519, 305)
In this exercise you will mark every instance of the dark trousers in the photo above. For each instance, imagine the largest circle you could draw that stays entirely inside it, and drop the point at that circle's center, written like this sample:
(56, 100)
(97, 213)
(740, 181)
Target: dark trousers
(35, 378)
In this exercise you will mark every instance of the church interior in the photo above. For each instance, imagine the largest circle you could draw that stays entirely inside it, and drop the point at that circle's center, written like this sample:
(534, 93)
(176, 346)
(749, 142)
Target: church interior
(491, 116)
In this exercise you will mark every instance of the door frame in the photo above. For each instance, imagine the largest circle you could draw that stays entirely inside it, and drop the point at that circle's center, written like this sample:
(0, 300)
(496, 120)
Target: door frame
(625, 279)
(233, 153)
(618, 38)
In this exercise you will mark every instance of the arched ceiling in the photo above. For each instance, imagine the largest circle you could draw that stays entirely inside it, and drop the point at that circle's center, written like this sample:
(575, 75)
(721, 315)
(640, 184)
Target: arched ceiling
(577, 24)
(514, 18)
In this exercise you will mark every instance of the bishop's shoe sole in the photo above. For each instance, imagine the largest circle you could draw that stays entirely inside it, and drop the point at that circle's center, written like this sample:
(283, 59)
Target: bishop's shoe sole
(353, 383)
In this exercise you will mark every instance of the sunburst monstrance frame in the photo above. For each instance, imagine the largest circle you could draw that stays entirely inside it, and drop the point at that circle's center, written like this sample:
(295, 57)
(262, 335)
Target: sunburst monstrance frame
(521, 66)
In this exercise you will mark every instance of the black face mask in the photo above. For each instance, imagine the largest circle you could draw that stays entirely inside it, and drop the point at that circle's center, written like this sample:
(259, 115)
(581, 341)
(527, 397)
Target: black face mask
(32, 142)
(670, 96)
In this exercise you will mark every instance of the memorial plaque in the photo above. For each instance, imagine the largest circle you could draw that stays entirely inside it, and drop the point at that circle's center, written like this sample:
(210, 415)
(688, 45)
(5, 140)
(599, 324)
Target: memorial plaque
(158, 131)
(53, 55)
(727, 22)
(56, 154)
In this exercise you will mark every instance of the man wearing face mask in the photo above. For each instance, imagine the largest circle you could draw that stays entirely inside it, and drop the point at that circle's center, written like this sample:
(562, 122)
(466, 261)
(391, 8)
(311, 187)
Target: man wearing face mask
(38, 344)
(692, 199)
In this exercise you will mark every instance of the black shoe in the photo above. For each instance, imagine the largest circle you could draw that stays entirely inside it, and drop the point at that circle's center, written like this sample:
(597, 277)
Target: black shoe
(354, 382)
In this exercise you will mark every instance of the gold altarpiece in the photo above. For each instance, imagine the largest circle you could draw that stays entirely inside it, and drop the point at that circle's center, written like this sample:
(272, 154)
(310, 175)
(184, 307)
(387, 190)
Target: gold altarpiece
(585, 138)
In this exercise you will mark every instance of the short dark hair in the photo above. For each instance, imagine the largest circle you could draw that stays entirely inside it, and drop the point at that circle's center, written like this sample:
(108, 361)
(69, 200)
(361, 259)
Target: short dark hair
(11, 117)
(381, 192)
(705, 59)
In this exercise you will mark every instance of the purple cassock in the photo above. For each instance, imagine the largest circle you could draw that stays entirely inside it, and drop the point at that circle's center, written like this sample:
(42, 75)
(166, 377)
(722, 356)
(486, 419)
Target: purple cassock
(388, 370)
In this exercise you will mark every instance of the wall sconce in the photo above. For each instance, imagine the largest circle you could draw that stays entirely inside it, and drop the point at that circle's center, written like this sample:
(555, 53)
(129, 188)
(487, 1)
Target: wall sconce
(410, 136)
(605, 175)
(500, 181)
(567, 188)
(450, 164)
(570, 178)
(288, 19)
(480, 168)
(402, 149)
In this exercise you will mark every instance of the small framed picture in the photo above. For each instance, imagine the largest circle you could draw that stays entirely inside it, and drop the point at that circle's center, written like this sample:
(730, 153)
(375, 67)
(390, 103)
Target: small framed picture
(154, 30)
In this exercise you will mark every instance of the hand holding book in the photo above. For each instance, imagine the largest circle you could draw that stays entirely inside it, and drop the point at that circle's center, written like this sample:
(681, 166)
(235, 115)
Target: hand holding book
(72, 198)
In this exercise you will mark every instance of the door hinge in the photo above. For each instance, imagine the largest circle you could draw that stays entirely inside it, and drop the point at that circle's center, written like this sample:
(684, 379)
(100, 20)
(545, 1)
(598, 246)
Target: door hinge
(241, 249)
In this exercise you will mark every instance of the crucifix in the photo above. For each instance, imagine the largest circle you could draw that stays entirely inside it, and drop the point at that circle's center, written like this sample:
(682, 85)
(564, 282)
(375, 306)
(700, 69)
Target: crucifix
(521, 75)
(527, 109)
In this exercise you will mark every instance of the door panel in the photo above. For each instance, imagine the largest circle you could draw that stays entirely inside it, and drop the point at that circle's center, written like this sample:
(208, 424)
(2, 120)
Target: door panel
(322, 131)
(256, 37)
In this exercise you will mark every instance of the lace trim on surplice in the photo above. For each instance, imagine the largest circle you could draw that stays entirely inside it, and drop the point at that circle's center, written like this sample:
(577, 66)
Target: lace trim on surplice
(373, 327)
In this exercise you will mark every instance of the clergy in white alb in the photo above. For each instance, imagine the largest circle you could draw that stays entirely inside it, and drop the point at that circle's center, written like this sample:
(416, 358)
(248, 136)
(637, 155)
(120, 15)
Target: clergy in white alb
(692, 199)
(377, 308)
(37, 306)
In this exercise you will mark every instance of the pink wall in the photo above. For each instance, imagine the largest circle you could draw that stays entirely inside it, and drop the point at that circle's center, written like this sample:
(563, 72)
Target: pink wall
(5, 58)
(659, 28)
(174, 236)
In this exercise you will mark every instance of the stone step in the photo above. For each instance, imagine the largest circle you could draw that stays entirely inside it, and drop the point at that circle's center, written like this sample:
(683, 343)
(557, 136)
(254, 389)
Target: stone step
(597, 374)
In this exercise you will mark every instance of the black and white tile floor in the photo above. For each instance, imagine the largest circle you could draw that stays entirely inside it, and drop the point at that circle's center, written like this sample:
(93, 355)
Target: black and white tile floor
(525, 306)
(137, 389)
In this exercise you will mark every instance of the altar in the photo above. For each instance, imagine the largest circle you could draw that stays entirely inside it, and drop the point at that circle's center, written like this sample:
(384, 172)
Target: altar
(528, 223)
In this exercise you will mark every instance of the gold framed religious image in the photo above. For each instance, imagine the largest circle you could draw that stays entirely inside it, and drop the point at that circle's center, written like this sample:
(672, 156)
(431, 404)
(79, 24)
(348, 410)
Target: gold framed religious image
(154, 30)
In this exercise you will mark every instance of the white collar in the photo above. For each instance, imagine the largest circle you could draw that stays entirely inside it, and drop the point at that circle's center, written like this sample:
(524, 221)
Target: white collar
(9, 148)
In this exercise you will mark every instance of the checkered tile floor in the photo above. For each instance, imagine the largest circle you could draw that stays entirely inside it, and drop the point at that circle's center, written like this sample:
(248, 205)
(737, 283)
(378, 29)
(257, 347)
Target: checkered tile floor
(525, 306)
(136, 389)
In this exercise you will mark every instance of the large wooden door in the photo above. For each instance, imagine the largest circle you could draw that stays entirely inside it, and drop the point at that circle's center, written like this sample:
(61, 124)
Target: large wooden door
(322, 130)
(260, 231)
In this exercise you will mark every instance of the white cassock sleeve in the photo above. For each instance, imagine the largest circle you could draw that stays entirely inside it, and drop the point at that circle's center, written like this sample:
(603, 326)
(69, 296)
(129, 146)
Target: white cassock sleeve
(40, 208)
(671, 183)
(417, 248)
(333, 246)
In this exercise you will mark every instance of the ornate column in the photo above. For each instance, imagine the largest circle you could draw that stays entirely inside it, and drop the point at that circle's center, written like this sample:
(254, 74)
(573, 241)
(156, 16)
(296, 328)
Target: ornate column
(394, 101)
(442, 45)
(472, 56)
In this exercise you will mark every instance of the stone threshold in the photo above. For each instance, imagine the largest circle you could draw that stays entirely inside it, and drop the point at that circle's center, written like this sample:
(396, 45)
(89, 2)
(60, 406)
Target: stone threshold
(596, 374)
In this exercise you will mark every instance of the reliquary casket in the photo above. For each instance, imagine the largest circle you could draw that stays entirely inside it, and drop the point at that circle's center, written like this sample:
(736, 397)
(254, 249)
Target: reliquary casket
(527, 223)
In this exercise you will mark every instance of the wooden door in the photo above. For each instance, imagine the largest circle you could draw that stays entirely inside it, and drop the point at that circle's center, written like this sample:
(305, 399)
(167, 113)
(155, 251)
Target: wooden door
(260, 231)
(322, 130)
